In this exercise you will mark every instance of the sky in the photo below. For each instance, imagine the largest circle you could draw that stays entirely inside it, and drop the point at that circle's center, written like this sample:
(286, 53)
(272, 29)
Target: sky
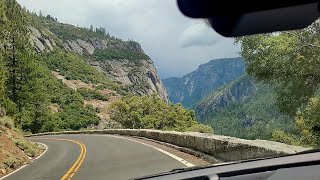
(176, 44)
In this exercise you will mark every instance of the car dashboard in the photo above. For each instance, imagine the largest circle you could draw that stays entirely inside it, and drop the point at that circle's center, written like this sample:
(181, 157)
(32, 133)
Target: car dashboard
(304, 166)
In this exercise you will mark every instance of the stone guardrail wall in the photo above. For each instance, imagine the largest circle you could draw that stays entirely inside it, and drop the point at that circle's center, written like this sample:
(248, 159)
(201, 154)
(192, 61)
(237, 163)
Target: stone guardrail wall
(223, 148)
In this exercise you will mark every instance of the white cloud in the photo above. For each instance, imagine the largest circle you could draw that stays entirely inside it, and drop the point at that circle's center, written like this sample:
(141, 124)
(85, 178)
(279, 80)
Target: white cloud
(157, 25)
(199, 34)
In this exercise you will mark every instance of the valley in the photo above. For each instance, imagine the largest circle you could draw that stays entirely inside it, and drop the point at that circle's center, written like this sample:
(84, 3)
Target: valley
(233, 103)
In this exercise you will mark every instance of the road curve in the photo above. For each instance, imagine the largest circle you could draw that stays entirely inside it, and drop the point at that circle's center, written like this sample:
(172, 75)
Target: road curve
(104, 157)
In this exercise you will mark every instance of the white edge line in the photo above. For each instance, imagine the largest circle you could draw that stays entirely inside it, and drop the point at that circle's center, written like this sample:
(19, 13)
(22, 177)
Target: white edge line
(43, 151)
(27, 164)
(186, 163)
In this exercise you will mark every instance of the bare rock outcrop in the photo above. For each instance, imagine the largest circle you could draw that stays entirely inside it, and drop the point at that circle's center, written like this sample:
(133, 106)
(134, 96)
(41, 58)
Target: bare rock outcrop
(41, 40)
(141, 79)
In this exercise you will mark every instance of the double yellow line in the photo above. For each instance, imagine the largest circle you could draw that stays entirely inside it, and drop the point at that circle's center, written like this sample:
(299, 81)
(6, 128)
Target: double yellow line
(76, 165)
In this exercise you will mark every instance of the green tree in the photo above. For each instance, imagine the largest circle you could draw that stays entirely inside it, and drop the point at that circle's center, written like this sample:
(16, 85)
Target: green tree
(3, 79)
(308, 123)
(288, 58)
(34, 96)
(25, 83)
(16, 50)
(291, 60)
(151, 112)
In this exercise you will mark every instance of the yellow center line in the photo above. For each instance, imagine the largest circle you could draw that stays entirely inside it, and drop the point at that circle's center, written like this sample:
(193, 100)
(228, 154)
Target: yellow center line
(81, 161)
(74, 168)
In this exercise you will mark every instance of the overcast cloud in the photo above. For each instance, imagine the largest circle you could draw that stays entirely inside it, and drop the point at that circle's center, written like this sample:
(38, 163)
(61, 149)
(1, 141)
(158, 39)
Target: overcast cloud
(176, 44)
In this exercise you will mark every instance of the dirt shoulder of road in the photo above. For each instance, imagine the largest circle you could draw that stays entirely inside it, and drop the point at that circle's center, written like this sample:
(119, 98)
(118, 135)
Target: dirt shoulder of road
(15, 150)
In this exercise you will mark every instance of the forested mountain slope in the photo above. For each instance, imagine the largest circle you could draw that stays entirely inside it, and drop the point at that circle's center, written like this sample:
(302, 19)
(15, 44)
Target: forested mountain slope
(189, 89)
(243, 108)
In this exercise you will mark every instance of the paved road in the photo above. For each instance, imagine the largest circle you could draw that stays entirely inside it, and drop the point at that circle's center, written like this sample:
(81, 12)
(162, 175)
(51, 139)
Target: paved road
(95, 157)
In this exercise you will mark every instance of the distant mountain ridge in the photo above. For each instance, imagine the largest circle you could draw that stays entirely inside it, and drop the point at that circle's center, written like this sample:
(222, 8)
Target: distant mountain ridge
(192, 87)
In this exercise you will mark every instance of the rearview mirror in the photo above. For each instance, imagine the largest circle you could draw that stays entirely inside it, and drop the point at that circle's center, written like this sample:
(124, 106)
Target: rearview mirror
(253, 18)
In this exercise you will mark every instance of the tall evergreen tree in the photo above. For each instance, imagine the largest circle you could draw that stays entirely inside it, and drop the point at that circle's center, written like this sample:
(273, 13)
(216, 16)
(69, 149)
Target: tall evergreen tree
(25, 85)
(3, 69)
(16, 50)
(3, 78)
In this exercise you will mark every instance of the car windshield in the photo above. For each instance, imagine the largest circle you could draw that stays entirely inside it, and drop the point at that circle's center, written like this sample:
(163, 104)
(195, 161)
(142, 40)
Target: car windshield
(115, 89)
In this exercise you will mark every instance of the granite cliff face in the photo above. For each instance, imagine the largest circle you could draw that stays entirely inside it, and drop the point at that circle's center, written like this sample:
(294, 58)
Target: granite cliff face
(140, 79)
(192, 87)
(40, 40)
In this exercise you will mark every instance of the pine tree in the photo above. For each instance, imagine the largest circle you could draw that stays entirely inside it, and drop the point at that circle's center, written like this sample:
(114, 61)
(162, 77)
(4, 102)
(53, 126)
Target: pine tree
(91, 28)
(34, 96)
(16, 49)
(3, 78)
(3, 69)
(26, 81)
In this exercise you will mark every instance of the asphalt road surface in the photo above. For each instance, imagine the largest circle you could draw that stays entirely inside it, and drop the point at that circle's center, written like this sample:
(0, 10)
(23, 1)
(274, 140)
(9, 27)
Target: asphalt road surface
(94, 157)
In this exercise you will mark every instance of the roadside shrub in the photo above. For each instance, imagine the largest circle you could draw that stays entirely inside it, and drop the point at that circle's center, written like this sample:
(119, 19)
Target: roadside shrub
(9, 161)
(92, 94)
(75, 118)
(202, 128)
(24, 145)
(7, 122)
(281, 136)
(10, 107)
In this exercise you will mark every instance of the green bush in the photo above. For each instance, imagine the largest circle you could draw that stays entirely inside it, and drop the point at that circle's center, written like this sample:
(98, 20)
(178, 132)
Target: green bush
(10, 161)
(52, 124)
(26, 146)
(10, 107)
(202, 128)
(91, 94)
(281, 136)
(75, 118)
